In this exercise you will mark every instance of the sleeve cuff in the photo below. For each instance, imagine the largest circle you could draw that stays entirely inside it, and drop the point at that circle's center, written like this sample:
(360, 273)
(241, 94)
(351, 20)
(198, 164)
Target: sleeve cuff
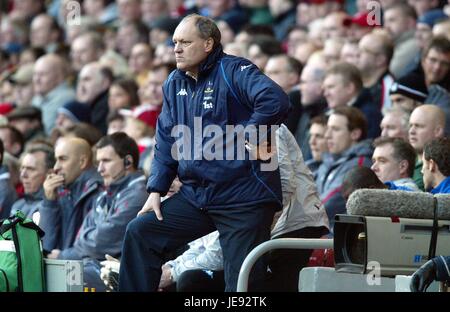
(442, 268)
(46, 203)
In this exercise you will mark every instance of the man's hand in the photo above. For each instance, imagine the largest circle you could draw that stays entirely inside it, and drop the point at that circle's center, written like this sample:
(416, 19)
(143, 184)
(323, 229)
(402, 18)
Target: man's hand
(153, 203)
(109, 272)
(263, 151)
(166, 277)
(54, 254)
(174, 188)
(51, 183)
(111, 263)
(423, 277)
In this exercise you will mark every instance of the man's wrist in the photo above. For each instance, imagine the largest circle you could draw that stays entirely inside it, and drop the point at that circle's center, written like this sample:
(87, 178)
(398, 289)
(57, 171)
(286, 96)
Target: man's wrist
(49, 197)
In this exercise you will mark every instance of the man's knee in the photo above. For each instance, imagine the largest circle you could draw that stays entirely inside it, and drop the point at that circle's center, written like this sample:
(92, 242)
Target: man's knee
(138, 226)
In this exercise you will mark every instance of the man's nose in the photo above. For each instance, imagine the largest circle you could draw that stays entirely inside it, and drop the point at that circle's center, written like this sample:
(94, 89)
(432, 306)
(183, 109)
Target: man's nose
(177, 48)
(100, 167)
(435, 67)
(56, 167)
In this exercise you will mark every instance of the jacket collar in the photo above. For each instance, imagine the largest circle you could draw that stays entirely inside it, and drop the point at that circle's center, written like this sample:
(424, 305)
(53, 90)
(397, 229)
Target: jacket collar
(212, 58)
(407, 35)
(99, 98)
(55, 91)
(443, 187)
(36, 196)
(83, 182)
(126, 181)
(362, 98)
(284, 15)
(316, 108)
(362, 148)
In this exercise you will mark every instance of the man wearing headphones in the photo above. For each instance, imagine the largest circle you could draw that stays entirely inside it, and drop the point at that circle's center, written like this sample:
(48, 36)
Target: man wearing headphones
(104, 227)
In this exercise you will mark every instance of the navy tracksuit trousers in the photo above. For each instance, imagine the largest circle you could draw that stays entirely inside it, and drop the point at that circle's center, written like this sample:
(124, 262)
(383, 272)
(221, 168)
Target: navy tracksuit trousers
(148, 240)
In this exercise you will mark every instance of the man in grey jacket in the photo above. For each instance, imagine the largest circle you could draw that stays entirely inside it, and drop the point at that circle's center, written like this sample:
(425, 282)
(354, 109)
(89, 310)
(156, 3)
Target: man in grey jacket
(104, 227)
(35, 165)
(346, 131)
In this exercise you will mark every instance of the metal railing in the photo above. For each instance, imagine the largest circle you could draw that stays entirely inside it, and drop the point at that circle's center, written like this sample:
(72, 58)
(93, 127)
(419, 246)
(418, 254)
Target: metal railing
(279, 243)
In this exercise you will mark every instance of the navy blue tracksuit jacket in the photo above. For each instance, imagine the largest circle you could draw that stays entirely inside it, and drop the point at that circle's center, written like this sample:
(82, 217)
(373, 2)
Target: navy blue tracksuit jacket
(229, 91)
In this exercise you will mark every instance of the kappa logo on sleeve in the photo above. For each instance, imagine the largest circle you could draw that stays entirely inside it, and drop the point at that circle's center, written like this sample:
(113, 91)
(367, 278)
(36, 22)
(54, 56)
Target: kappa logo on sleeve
(182, 92)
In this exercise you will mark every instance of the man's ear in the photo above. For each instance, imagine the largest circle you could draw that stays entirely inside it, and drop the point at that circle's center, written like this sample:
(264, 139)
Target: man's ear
(105, 83)
(380, 59)
(403, 167)
(438, 131)
(350, 89)
(209, 44)
(355, 134)
(411, 22)
(16, 148)
(293, 78)
(432, 166)
(54, 35)
(84, 161)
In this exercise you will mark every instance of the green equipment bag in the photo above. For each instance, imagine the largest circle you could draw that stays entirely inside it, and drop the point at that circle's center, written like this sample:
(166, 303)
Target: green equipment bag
(21, 258)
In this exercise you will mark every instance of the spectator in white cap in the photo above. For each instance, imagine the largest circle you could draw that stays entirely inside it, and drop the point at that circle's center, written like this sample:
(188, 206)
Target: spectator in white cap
(408, 92)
